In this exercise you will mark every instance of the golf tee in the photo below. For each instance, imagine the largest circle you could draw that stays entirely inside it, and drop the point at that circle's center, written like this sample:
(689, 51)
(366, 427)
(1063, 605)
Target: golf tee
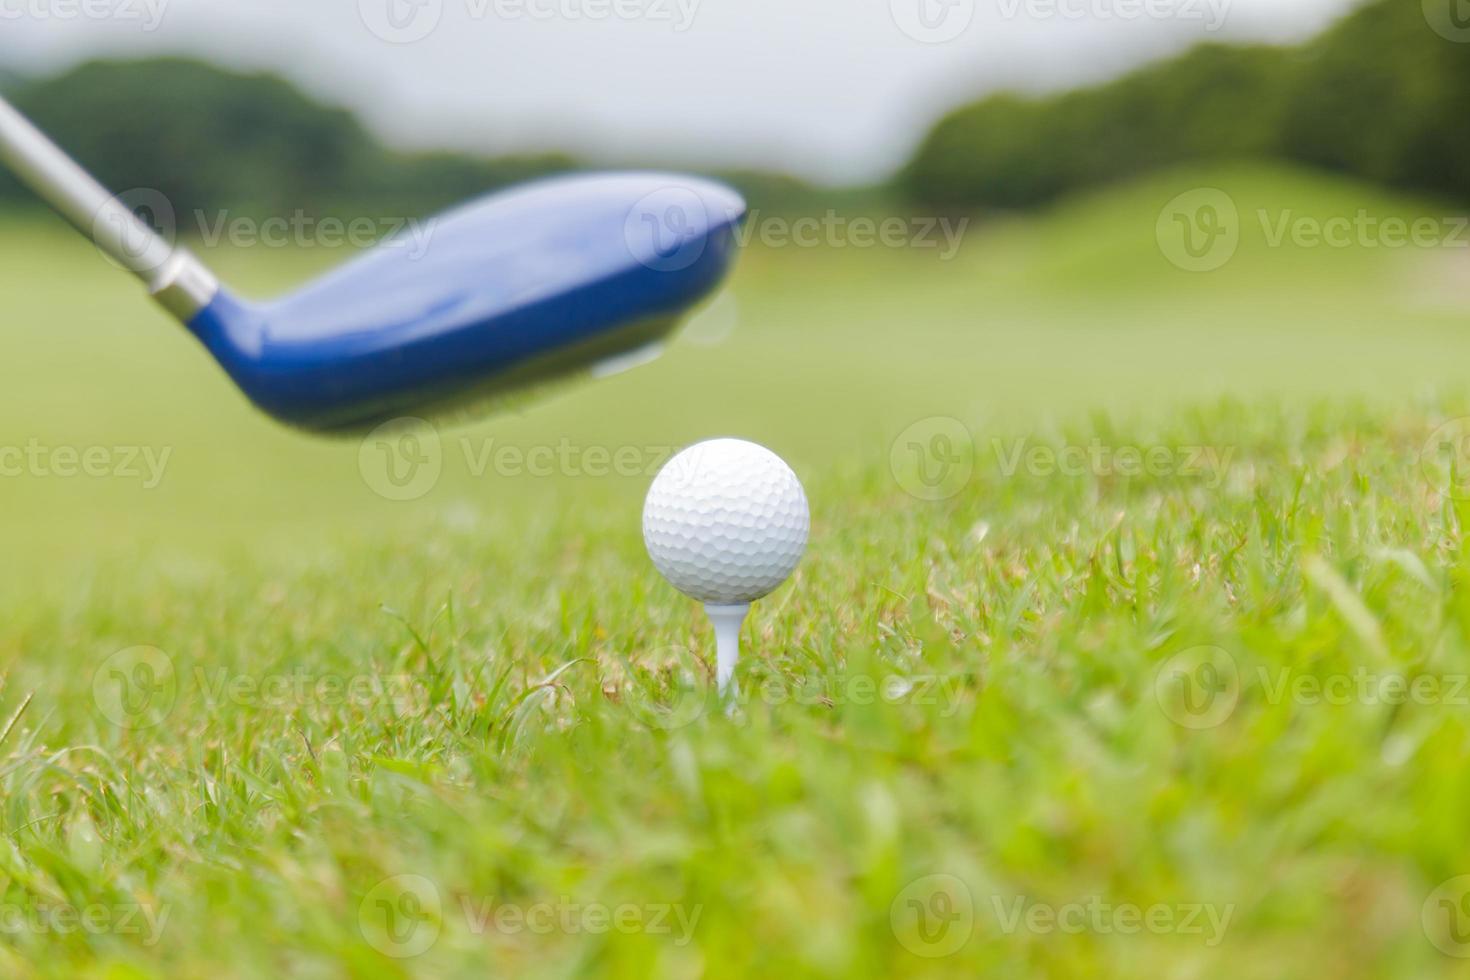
(727, 621)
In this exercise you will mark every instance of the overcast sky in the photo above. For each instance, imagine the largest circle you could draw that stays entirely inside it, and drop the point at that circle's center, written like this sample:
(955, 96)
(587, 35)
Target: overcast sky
(834, 89)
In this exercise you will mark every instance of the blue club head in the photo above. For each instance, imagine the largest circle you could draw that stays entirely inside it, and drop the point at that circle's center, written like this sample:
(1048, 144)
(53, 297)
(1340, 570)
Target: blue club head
(504, 294)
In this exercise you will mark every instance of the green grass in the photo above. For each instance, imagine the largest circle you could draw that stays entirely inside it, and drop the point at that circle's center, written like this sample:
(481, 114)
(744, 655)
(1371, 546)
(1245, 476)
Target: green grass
(485, 699)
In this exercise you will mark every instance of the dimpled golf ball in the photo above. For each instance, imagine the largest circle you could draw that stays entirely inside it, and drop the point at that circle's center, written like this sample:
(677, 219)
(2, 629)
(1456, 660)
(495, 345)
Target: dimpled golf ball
(726, 522)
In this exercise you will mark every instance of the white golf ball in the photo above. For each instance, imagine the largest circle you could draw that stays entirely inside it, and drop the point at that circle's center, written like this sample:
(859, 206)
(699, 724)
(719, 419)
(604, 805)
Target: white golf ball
(726, 522)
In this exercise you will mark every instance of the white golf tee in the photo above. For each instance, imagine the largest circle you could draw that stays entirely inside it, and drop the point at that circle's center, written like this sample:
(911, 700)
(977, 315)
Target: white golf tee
(727, 621)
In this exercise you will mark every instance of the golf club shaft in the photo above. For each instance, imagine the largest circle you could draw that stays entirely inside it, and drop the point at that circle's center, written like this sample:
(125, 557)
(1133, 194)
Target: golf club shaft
(175, 278)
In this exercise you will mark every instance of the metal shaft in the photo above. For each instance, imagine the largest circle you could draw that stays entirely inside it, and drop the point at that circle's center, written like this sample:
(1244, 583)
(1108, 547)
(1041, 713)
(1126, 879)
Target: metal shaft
(175, 278)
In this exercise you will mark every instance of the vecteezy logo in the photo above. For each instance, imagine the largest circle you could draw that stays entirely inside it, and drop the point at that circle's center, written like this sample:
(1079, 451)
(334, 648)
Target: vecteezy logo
(135, 688)
(1199, 231)
(401, 916)
(933, 21)
(934, 916)
(145, 216)
(933, 459)
(1445, 917)
(1198, 688)
(1445, 459)
(675, 697)
(401, 21)
(1450, 19)
(666, 230)
(401, 459)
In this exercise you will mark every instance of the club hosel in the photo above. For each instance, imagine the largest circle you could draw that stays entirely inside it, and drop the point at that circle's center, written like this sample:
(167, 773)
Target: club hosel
(183, 285)
(180, 282)
(727, 621)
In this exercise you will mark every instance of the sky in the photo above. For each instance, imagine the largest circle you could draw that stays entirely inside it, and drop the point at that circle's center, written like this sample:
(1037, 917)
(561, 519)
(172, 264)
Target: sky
(835, 90)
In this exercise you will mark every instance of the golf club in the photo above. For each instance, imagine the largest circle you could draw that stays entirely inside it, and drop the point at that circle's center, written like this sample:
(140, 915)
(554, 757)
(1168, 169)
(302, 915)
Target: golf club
(538, 283)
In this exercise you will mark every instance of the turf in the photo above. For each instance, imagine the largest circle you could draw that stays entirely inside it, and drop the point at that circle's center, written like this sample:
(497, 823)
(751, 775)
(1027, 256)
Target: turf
(259, 720)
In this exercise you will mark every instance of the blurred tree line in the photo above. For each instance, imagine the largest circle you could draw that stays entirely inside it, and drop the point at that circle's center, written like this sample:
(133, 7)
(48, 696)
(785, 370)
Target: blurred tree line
(1379, 96)
(211, 140)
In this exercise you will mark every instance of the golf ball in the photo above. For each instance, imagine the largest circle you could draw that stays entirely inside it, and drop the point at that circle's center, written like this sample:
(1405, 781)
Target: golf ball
(726, 522)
